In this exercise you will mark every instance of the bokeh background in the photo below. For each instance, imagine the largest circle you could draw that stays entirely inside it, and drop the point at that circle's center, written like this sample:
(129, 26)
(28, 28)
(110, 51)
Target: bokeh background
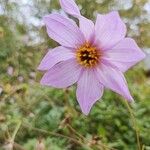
(34, 117)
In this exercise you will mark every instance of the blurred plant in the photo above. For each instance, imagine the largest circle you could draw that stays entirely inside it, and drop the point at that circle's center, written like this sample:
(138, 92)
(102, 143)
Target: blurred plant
(24, 42)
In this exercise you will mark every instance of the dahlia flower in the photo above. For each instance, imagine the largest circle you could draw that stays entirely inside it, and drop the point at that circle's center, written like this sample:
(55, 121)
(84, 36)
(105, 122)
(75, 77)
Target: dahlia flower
(94, 56)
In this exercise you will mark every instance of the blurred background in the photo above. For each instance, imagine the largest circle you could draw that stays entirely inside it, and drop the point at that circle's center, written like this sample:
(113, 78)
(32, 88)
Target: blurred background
(33, 117)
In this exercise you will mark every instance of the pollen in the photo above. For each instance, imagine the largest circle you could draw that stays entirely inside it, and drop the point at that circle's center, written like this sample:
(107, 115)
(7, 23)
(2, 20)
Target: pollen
(88, 56)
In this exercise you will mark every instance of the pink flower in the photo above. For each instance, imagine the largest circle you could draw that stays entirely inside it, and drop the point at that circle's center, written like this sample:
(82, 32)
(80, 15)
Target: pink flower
(94, 56)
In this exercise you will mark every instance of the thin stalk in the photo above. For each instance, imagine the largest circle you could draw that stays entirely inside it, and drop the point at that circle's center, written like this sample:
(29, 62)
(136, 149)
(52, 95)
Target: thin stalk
(99, 145)
(134, 125)
(75, 132)
(16, 131)
(55, 134)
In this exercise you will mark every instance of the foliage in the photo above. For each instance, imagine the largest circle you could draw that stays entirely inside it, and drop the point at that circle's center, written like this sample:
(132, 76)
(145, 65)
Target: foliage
(51, 114)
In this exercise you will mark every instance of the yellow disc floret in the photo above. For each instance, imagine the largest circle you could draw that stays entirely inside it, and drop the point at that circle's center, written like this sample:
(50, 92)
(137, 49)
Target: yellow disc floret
(88, 56)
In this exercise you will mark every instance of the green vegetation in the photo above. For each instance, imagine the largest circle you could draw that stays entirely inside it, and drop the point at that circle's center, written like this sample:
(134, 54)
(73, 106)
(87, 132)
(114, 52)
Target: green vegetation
(30, 113)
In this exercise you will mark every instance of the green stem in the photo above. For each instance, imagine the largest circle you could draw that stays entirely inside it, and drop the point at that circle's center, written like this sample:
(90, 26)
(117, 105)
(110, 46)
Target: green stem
(16, 130)
(134, 125)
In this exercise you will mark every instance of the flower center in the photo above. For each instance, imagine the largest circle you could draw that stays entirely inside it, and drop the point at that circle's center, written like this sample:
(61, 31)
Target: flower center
(87, 55)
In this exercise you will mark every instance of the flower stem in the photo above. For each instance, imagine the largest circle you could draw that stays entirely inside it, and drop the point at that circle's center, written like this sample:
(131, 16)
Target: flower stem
(16, 130)
(134, 125)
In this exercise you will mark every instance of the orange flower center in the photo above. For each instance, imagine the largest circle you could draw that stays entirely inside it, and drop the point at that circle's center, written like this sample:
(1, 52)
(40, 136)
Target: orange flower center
(88, 56)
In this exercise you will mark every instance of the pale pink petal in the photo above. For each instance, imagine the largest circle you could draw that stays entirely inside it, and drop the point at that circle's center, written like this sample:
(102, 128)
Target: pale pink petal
(62, 75)
(110, 29)
(54, 56)
(89, 90)
(124, 55)
(86, 25)
(64, 31)
(70, 7)
(113, 79)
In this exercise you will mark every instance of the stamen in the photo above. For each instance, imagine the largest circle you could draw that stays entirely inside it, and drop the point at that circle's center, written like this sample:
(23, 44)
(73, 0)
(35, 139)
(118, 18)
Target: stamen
(88, 56)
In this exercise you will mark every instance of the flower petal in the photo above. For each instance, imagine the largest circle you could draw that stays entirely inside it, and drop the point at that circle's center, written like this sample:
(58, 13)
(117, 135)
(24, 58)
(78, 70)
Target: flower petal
(124, 55)
(64, 31)
(89, 90)
(87, 28)
(110, 29)
(62, 75)
(114, 80)
(70, 7)
(54, 56)
(86, 25)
